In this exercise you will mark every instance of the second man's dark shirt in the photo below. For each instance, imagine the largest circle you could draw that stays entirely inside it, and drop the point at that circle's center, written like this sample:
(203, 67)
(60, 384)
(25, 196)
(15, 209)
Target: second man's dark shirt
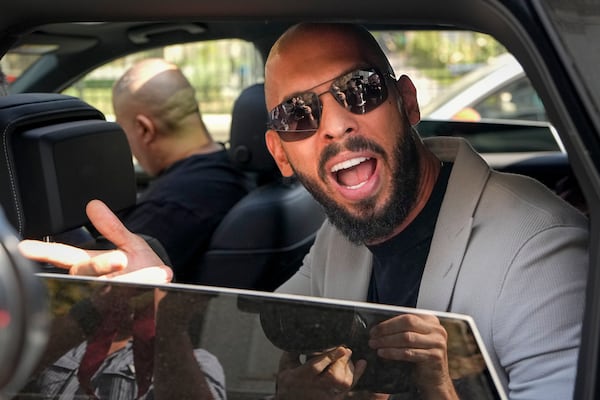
(183, 206)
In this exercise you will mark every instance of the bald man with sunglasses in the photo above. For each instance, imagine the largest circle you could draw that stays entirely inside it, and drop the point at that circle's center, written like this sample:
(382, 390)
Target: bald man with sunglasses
(411, 222)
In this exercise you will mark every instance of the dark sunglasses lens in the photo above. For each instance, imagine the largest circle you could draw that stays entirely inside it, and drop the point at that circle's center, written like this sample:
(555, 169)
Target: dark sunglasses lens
(298, 117)
(360, 91)
(300, 113)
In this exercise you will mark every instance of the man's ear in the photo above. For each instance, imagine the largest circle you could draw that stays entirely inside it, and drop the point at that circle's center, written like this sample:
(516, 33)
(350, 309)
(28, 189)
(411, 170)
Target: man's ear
(276, 149)
(145, 128)
(408, 93)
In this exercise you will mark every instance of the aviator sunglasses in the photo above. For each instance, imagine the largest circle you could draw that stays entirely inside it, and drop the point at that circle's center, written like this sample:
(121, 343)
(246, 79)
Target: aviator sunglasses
(358, 91)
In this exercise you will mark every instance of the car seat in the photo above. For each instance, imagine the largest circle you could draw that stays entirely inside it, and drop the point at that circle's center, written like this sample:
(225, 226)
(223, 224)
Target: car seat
(262, 240)
(58, 153)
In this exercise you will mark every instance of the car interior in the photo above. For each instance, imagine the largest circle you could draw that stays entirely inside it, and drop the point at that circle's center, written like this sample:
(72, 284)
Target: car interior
(60, 44)
(261, 242)
(47, 137)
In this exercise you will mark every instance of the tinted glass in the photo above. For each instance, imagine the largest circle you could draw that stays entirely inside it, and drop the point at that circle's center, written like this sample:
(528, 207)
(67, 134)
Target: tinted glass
(515, 101)
(235, 338)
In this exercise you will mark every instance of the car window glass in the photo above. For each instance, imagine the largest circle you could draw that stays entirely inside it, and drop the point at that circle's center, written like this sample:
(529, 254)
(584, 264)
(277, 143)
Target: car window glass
(470, 77)
(14, 63)
(459, 75)
(517, 100)
(236, 337)
(217, 69)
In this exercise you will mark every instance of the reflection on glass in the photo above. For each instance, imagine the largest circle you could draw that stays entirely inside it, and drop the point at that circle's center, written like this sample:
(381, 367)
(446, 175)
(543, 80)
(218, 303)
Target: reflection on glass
(307, 328)
(124, 341)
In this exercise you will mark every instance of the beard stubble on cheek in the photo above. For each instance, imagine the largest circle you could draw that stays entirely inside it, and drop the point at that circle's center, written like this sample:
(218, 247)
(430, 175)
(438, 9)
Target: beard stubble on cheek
(367, 222)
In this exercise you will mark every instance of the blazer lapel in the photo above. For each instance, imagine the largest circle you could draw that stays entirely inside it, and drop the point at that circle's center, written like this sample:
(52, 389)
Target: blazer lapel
(355, 263)
(455, 221)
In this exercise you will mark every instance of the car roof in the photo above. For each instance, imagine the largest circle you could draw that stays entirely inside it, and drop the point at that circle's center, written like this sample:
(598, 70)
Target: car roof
(262, 19)
(74, 49)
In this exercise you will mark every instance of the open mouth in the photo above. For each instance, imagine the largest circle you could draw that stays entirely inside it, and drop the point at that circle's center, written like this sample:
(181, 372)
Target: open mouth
(355, 172)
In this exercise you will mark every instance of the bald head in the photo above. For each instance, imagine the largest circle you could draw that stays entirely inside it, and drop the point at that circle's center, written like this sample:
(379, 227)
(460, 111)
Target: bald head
(307, 49)
(156, 106)
(157, 88)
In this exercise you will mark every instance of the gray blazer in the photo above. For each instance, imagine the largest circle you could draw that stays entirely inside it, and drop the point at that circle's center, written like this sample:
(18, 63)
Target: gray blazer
(506, 251)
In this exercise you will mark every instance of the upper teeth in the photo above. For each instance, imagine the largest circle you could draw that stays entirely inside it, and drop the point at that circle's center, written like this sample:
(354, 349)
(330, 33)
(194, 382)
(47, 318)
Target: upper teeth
(348, 163)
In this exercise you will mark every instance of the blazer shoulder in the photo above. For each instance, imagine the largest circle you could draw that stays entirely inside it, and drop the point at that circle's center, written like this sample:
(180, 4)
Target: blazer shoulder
(521, 194)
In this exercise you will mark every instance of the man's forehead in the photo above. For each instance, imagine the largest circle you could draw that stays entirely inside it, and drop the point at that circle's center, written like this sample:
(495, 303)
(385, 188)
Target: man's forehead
(283, 84)
(312, 53)
(309, 45)
(285, 76)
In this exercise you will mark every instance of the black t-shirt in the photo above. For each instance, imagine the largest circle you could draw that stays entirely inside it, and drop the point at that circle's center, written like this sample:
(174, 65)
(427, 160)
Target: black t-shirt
(183, 206)
(398, 263)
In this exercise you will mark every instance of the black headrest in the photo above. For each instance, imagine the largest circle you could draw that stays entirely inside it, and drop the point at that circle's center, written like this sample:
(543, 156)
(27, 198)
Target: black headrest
(58, 153)
(248, 149)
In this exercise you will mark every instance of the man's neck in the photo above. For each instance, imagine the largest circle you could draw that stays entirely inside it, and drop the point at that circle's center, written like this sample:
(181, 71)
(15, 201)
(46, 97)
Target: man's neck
(189, 151)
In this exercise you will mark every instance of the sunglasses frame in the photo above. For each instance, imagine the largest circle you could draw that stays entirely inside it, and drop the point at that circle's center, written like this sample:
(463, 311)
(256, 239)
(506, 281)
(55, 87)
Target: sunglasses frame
(300, 134)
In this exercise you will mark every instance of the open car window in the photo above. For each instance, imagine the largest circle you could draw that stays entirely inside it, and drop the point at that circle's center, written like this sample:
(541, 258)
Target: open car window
(467, 83)
(217, 69)
(235, 338)
(459, 75)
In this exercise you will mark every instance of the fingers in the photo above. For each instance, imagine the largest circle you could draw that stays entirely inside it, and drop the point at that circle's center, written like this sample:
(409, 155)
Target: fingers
(103, 264)
(61, 255)
(76, 260)
(133, 254)
(405, 336)
(328, 362)
(318, 363)
(405, 322)
(419, 339)
(138, 264)
(329, 375)
(139, 253)
(108, 224)
(334, 370)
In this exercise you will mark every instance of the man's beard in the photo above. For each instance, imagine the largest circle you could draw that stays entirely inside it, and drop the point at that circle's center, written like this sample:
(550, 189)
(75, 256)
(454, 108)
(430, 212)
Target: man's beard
(372, 225)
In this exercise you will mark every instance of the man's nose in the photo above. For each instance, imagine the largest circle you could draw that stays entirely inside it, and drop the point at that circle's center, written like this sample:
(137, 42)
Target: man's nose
(336, 120)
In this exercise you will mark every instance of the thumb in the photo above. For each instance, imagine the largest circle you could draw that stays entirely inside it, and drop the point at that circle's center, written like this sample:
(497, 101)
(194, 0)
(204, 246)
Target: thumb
(138, 251)
(108, 224)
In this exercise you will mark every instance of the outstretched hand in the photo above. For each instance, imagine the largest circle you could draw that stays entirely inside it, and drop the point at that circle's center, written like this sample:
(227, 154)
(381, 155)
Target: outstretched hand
(133, 259)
